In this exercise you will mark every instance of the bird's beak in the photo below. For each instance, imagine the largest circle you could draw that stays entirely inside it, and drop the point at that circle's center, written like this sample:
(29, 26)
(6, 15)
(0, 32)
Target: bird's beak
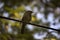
(31, 12)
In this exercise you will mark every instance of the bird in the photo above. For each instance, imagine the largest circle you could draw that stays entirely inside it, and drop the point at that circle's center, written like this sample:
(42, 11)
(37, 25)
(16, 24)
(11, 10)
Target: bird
(26, 18)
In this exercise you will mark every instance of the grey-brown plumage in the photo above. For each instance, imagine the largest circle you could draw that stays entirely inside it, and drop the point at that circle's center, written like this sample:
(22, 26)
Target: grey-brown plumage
(26, 18)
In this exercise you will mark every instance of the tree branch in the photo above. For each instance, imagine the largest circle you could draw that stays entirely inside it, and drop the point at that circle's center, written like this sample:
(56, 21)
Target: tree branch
(30, 23)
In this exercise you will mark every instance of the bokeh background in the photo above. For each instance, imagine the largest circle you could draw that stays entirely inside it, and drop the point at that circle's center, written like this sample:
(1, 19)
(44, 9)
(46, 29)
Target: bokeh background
(45, 12)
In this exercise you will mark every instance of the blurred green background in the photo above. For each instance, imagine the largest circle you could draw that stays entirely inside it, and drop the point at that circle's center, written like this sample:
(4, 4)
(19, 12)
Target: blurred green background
(45, 12)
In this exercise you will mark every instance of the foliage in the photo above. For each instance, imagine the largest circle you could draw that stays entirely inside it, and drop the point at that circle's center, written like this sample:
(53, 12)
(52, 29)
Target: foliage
(15, 8)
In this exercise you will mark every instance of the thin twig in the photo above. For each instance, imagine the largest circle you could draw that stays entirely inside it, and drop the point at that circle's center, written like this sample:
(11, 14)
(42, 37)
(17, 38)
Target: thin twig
(29, 23)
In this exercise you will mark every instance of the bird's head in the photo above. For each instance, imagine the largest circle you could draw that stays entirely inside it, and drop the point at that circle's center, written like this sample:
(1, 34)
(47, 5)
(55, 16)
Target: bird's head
(29, 12)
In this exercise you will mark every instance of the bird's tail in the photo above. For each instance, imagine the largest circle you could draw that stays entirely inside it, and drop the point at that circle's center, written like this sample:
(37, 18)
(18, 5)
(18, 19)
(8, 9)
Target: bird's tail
(23, 27)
